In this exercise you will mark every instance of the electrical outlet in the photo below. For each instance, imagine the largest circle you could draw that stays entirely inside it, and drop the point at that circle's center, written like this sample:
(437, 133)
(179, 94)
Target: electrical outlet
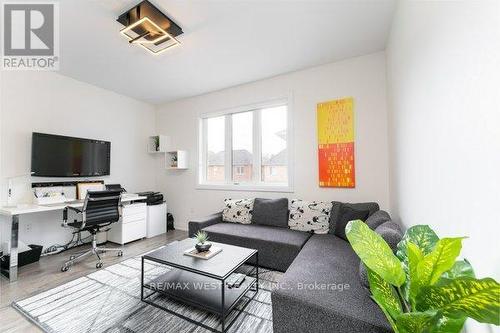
(29, 226)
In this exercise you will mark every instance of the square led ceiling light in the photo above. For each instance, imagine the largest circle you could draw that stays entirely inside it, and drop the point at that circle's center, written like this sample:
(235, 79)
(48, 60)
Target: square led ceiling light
(146, 26)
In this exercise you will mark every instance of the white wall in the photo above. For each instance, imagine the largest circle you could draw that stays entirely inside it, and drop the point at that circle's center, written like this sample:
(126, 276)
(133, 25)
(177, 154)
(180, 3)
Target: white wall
(443, 65)
(363, 78)
(2, 187)
(51, 103)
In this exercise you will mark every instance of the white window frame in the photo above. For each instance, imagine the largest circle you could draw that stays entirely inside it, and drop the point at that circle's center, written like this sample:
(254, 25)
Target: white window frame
(229, 184)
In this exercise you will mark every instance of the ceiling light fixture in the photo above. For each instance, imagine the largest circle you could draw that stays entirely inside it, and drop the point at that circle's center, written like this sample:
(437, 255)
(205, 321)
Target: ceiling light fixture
(147, 26)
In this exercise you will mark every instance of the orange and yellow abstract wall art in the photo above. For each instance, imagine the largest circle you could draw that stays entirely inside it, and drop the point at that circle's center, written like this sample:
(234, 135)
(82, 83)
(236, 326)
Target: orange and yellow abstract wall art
(336, 143)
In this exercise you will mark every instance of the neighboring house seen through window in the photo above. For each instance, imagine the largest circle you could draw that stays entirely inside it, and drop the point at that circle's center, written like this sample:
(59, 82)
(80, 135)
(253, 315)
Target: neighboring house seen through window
(246, 149)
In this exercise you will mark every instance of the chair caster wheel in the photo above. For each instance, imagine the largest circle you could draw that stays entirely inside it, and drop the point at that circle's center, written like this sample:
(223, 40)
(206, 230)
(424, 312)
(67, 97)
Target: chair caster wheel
(98, 265)
(72, 258)
(64, 268)
(120, 254)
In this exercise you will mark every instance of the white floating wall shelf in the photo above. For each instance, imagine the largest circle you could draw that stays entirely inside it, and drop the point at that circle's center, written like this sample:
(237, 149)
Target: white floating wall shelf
(176, 160)
(158, 144)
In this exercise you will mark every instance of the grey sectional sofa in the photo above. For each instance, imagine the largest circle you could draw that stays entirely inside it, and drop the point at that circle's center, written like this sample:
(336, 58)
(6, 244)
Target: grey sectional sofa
(321, 290)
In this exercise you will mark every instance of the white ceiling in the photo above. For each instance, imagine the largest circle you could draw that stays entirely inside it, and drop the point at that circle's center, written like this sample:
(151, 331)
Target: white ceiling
(225, 43)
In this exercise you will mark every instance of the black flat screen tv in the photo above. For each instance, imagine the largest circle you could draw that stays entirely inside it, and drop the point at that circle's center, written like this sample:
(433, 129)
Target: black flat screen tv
(63, 156)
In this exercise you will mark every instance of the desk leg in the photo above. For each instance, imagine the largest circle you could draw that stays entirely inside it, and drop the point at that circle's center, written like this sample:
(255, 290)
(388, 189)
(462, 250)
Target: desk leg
(14, 237)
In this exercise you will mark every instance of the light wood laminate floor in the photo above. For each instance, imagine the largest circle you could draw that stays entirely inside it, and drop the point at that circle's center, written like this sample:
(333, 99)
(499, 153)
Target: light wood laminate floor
(46, 274)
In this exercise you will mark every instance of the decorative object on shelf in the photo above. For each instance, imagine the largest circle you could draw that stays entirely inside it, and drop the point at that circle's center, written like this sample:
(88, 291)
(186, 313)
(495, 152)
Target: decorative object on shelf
(83, 187)
(176, 160)
(49, 195)
(158, 143)
(423, 287)
(202, 244)
(336, 143)
(147, 26)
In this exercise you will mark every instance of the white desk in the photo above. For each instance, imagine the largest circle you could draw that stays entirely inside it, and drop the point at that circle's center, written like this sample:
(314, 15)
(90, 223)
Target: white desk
(22, 209)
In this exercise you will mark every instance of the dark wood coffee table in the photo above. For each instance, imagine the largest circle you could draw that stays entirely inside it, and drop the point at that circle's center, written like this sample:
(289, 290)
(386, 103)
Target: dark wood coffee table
(202, 283)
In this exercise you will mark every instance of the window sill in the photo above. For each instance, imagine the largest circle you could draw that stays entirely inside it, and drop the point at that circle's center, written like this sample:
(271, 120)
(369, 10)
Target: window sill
(246, 187)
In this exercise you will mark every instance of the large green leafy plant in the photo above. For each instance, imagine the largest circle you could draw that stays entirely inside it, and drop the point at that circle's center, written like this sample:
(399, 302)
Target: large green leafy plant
(423, 288)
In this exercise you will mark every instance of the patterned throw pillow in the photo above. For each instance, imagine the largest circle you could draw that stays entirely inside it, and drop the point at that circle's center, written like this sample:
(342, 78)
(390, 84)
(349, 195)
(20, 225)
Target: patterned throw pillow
(311, 216)
(238, 211)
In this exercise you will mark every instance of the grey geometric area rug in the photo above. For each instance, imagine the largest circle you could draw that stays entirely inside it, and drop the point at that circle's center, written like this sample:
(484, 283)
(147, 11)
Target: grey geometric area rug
(109, 300)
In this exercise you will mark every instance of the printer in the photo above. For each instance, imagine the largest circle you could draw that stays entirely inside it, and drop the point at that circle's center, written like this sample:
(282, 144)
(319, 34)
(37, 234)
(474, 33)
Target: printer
(152, 198)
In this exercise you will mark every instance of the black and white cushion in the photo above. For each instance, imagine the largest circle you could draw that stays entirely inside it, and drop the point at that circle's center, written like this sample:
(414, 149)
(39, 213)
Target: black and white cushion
(238, 211)
(311, 216)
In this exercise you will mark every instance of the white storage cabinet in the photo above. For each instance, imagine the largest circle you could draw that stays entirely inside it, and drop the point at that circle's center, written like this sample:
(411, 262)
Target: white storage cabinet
(132, 225)
(157, 220)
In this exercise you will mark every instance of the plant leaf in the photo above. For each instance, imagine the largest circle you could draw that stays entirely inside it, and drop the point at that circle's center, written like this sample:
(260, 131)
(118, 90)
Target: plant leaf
(416, 322)
(464, 296)
(441, 259)
(425, 239)
(430, 268)
(415, 256)
(375, 253)
(384, 293)
(449, 325)
(388, 316)
(420, 235)
(460, 268)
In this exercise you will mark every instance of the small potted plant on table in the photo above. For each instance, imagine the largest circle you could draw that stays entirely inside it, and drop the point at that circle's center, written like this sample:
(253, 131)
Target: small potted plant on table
(202, 244)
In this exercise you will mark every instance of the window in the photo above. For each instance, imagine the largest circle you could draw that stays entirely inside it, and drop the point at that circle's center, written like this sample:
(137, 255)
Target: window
(215, 147)
(242, 146)
(274, 152)
(246, 149)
